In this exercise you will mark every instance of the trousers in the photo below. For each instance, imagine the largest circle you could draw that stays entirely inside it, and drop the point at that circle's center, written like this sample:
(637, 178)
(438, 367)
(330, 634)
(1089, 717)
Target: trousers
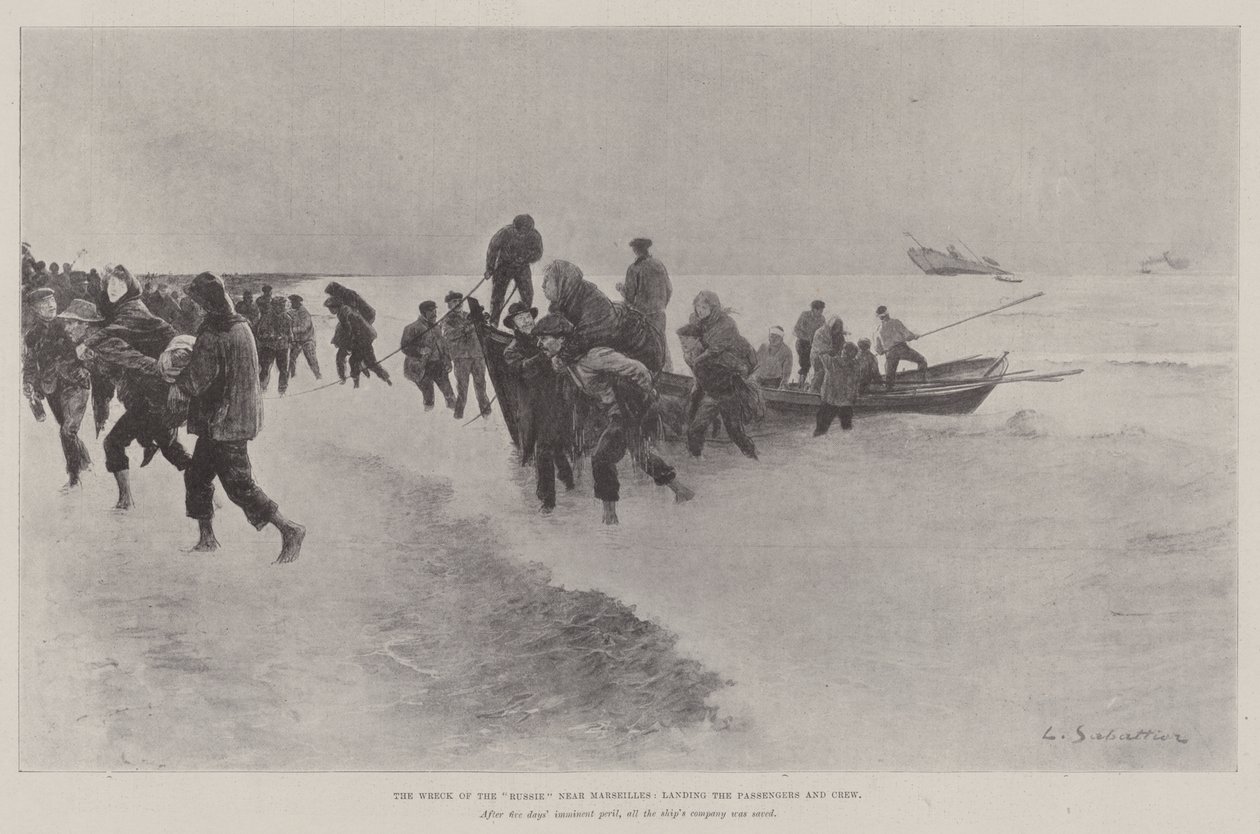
(426, 377)
(609, 451)
(709, 410)
(474, 366)
(68, 403)
(228, 460)
(895, 355)
(499, 280)
(360, 360)
(269, 355)
(306, 349)
(135, 425)
(827, 413)
(548, 462)
(803, 347)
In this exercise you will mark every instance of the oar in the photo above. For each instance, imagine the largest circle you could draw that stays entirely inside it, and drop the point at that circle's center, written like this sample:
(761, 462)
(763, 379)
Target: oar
(977, 383)
(985, 313)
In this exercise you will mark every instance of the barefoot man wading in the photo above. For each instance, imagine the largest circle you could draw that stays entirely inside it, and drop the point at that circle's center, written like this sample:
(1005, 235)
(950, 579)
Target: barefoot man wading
(225, 412)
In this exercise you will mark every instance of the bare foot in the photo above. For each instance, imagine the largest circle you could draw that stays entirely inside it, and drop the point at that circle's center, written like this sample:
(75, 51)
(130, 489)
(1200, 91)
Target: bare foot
(546, 509)
(681, 493)
(291, 543)
(125, 502)
(205, 545)
(71, 485)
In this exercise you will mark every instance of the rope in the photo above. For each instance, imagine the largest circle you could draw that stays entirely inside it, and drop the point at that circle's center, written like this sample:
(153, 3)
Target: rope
(388, 355)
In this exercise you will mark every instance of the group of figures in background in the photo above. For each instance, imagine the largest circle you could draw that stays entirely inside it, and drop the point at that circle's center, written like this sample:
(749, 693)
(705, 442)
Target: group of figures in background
(581, 379)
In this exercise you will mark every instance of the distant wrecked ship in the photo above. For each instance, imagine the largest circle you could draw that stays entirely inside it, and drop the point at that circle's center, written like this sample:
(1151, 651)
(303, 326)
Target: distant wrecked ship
(1166, 258)
(951, 261)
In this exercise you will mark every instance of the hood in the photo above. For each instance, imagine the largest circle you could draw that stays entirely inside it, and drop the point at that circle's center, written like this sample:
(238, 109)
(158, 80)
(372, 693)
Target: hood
(207, 289)
(836, 327)
(567, 278)
(120, 287)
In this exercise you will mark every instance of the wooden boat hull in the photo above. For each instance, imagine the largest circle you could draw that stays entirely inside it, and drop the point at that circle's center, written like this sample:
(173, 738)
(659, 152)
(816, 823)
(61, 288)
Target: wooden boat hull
(935, 262)
(964, 381)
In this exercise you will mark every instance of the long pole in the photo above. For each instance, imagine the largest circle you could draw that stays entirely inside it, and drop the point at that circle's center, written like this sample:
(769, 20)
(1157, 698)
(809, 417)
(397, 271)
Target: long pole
(920, 245)
(985, 313)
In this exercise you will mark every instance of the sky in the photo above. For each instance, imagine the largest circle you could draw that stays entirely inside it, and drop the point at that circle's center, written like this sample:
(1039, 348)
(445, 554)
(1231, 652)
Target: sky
(738, 151)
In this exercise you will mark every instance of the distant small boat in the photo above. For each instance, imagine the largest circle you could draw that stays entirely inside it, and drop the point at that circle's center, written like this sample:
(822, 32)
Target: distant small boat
(1168, 258)
(951, 261)
(1010, 279)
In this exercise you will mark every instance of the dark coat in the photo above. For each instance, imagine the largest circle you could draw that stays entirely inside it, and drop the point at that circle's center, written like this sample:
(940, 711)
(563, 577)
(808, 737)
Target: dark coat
(221, 380)
(349, 297)
(423, 340)
(353, 333)
(544, 406)
(648, 288)
(512, 248)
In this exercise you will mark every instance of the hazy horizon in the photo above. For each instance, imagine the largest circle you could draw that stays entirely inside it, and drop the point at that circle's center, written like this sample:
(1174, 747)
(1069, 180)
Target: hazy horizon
(739, 151)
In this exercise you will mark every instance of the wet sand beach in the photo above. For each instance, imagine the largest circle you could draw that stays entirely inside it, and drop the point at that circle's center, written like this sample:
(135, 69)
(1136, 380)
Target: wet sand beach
(922, 593)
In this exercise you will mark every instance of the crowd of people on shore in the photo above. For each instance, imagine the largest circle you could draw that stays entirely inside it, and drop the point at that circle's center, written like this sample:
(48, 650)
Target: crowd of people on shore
(581, 379)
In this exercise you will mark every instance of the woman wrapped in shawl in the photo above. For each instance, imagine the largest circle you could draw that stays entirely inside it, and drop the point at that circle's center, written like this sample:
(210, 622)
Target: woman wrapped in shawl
(599, 322)
(721, 368)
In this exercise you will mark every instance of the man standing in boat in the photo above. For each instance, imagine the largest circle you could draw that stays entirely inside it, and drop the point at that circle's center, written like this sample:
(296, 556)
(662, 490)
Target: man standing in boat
(806, 326)
(512, 249)
(648, 289)
(891, 337)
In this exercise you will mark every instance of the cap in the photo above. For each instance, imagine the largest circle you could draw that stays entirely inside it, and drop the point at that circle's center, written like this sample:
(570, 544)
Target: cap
(817, 304)
(295, 298)
(641, 243)
(864, 342)
(553, 324)
(777, 329)
(454, 296)
(39, 294)
(428, 305)
(881, 310)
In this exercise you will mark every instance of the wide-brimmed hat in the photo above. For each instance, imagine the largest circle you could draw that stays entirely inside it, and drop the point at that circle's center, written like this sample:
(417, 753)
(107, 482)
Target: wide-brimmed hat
(518, 307)
(454, 296)
(80, 310)
(553, 324)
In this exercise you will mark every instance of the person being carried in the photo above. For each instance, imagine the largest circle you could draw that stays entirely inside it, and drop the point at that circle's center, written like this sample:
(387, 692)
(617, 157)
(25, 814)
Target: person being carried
(544, 412)
(598, 321)
(353, 339)
(891, 337)
(303, 338)
(275, 341)
(428, 361)
(774, 361)
(841, 377)
(807, 325)
(868, 367)
(225, 412)
(620, 389)
(512, 249)
(721, 370)
(461, 340)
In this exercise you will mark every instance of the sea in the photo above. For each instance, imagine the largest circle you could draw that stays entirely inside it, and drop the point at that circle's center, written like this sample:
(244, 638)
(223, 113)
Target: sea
(924, 593)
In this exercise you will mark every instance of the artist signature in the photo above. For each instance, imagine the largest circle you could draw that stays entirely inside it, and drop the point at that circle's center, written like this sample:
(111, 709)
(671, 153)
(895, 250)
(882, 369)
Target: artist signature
(1079, 734)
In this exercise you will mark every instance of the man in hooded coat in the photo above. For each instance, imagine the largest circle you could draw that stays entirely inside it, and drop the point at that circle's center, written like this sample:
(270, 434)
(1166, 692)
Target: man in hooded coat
(225, 412)
(512, 249)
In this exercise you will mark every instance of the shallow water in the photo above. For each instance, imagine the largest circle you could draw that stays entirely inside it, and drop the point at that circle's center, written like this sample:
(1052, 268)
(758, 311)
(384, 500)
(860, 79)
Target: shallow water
(921, 593)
